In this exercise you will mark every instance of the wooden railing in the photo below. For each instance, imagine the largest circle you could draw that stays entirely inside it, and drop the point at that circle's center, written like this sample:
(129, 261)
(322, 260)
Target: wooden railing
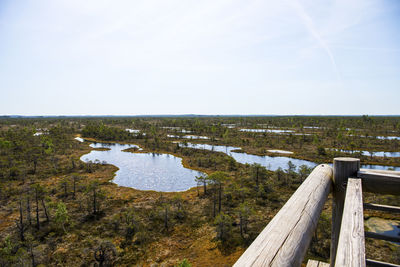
(285, 240)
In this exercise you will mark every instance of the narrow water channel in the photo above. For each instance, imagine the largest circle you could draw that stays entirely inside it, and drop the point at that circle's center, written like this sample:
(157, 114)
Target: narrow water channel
(271, 163)
(165, 172)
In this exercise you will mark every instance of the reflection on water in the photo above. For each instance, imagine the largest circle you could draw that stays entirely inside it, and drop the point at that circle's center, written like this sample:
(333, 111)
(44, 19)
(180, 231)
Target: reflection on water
(312, 127)
(389, 137)
(379, 137)
(272, 163)
(280, 151)
(266, 131)
(145, 171)
(229, 125)
(368, 153)
(132, 130)
(188, 136)
(380, 167)
(384, 226)
(164, 172)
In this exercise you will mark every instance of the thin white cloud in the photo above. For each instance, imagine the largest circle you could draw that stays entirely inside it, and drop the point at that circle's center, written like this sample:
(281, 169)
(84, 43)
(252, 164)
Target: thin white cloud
(256, 55)
(309, 24)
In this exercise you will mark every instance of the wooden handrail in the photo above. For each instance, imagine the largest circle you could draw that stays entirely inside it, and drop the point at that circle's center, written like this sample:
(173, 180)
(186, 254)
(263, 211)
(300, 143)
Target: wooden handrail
(284, 241)
(351, 247)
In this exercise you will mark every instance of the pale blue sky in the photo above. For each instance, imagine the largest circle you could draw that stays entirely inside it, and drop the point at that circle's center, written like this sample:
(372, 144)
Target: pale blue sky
(98, 57)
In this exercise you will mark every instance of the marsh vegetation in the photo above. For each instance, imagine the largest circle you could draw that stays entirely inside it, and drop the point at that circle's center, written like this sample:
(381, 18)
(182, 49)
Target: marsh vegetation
(203, 200)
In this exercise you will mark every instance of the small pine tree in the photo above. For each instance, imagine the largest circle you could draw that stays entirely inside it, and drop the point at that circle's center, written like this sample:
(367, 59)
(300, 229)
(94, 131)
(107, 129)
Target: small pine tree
(223, 223)
(62, 217)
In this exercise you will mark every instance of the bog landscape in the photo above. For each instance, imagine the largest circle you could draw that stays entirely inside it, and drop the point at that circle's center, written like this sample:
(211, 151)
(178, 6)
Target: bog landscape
(212, 133)
(170, 191)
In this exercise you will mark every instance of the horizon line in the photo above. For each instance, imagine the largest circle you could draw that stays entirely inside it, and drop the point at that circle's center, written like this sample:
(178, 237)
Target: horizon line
(205, 115)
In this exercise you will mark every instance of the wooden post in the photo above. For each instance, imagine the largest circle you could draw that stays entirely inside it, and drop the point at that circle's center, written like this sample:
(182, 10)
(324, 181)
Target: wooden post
(343, 168)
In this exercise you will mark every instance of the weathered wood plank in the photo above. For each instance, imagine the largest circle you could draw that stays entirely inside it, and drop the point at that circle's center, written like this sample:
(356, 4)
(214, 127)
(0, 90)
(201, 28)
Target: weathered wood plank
(314, 263)
(380, 182)
(284, 241)
(387, 208)
(351, 247)
(375, 263)
(396, 173)
(382, 237)
(343, 168)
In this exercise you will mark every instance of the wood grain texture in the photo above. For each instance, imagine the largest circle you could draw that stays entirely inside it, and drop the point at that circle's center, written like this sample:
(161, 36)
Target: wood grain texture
(284, 241)
(380, 182)
(351, 247)
(395, 173)
(314, 263)
(343, 168)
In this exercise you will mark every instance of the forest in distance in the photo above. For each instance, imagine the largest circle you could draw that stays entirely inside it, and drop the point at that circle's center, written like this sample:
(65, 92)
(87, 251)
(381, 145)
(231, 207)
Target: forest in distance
(57, 209)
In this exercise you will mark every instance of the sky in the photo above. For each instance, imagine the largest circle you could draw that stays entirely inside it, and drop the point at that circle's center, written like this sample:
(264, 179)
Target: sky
(129, 57)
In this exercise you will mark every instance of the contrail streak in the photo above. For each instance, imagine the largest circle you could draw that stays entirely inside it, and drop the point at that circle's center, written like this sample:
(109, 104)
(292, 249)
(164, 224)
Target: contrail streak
(308, 23)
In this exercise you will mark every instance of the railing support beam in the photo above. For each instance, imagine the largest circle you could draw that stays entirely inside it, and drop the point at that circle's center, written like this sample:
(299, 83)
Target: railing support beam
(343, 168)
(380, 182)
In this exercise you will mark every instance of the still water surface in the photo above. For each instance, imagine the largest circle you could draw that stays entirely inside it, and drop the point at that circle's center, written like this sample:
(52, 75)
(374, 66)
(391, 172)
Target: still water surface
(271, 163)
(266, 131)
(384, 226)
(389, 137)
(145, 171)
(368, 153)
(165, 173)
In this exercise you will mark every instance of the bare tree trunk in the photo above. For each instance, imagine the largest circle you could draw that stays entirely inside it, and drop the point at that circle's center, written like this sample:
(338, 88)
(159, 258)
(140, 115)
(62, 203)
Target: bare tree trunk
(20, 224)
(166, 218)
(74, 188)
(37, 209)
(65, 189)
(245, 223)
(45, 210)
(32, 255)
(257, 176)
(241, 225)
(219, 197)
(214, 201)
(73, 163)
(94, 201)
(34, 165)
(28, 208)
